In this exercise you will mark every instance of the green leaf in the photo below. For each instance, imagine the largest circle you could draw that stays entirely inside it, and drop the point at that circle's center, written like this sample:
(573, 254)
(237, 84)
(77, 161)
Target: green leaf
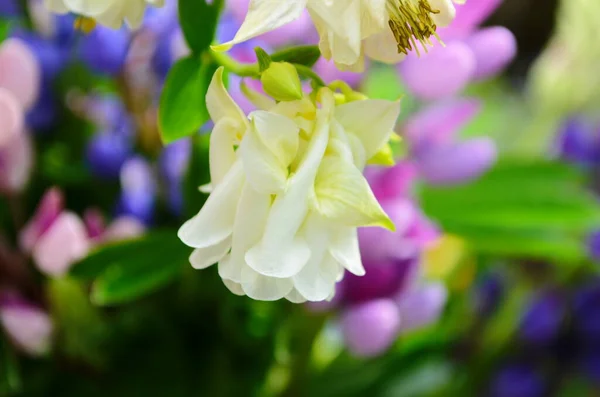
(133, 269)
(306, 55)
(5, 27)
(538, 210)
(199, 22)
(197, 175)
(183, 101)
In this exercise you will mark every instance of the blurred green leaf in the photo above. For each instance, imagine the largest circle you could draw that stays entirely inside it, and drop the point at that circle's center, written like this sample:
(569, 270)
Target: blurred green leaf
(182, 104)
(10, 378)
(198, 174)
(199, 22)
(82, 331)
(306, 55)
(133, 269)
(423, 380)
(5, 26)
(538, 210)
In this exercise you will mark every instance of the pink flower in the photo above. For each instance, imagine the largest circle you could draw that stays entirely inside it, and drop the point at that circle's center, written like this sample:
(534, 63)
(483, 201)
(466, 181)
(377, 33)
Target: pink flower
(28, 327)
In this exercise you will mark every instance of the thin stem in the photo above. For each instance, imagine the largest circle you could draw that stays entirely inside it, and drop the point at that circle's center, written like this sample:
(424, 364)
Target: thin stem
(233, 66)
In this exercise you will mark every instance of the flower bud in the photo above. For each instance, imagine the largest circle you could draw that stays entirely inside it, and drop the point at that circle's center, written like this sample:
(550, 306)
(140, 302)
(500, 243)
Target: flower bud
(281, 81)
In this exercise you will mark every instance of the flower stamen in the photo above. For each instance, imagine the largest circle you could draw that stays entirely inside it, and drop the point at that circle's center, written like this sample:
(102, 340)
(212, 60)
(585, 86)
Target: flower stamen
(411, 21)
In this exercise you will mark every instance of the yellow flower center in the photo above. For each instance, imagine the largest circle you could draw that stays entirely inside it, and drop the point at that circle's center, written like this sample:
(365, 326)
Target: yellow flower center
(411, 21)
(85, 24)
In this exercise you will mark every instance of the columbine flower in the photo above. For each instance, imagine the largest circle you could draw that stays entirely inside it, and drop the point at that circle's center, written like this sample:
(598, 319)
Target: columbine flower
(111, 13)
(288, 193)
(385, 30)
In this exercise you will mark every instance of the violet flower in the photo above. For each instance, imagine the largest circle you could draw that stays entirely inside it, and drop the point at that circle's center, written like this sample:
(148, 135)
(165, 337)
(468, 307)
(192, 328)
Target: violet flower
(470, 54)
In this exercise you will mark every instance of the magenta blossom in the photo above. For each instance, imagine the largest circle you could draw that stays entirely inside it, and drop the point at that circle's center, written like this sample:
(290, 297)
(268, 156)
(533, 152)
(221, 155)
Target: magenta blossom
(439, 157)
(57, 238)
(470, 54)
(374, 307)
(26, 325)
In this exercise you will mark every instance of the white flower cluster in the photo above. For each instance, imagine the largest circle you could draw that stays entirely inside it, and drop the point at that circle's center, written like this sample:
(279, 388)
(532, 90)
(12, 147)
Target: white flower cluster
(288, 193)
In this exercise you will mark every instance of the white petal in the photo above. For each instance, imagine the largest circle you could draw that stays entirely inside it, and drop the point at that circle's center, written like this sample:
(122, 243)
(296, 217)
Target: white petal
(202, 258)
(372, 121)
(316, 281)
(248, 229)
(220, 104)
(295, 297)
(234, 287)
(343, 195)
(261, 101)
(264, 16)
(262, 168)
(278, 133)
(214, 222)
(264, 288)
(383, 47)
(345, 250)
(221, 151)
(281, 253)
(447, 12)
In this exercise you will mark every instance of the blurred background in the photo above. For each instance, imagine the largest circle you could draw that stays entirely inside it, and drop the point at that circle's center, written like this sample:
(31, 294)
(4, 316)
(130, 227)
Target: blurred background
(489, 287)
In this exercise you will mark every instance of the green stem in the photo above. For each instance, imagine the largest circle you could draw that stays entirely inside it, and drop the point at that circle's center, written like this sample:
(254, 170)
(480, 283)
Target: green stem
(233, 66)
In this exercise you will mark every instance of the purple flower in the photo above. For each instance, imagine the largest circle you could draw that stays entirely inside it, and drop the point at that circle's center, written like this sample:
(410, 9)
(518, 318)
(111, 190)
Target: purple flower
(543, 319)
(421, 305)
(105, 50)
(371, 328)
(594, 244)
(468, 55)
(9, 8)
(138, 190)
(517, 380)
(27, 326)
(107, 152)
(586, 312)
(173, 164)
(439, 158)
(488, 293)
(49, 208)
(577, 143)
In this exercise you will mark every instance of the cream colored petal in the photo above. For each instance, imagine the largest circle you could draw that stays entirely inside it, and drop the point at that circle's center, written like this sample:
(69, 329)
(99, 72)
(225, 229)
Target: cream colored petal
(281, 253)
(316, 281)
(261, 101)
(221, 151)
(446, 14)
(202, 258)
(383, 47)
(295, 297)
(248, 229)
(220, 104)
(57, 6)
(264, 288)
(234, 287)
(345, 250)
(214, 222)
(278, 133)
(371, 120)
(343, 195)
(262, 168)
(264, 16)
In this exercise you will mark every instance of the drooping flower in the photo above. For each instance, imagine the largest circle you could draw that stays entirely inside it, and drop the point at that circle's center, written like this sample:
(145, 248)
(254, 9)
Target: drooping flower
(384, 30)
(111, 13)
(288, 193)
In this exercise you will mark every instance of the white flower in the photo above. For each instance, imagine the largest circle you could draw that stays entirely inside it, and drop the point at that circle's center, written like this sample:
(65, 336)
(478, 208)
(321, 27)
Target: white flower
(288, 193)
(384, 30)
(110, 13)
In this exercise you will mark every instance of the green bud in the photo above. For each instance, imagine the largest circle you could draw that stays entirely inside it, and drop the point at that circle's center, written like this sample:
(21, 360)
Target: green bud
(281, 81)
